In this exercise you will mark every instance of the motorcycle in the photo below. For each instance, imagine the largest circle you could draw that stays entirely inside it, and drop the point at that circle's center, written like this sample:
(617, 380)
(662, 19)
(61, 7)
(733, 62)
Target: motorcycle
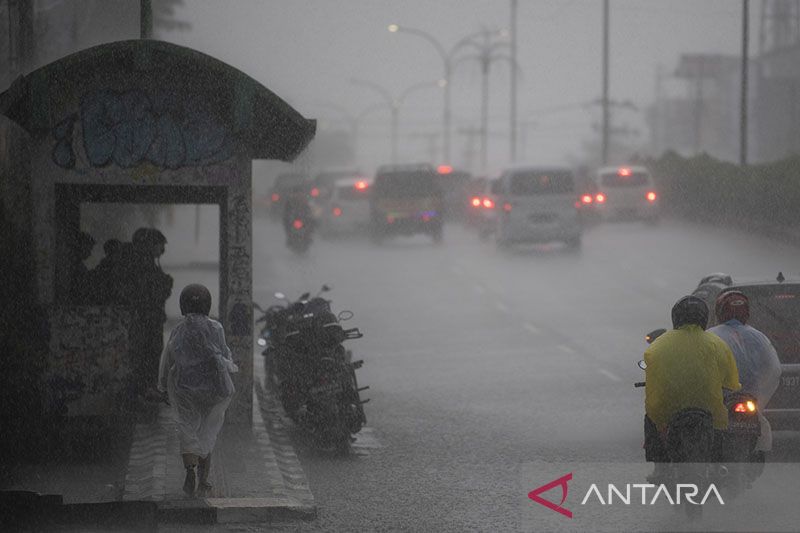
(311, 371)
(701, 455)
(299, 224)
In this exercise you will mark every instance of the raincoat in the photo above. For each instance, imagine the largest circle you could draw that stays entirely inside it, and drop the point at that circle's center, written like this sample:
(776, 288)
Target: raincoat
(195, 371)
(759, 368)
(688, 367)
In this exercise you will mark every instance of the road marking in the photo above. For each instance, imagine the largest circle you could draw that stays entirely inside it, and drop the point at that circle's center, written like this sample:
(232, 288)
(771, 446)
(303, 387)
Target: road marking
(501, 307)
(609, 375)
(565, 348)
(532, 329)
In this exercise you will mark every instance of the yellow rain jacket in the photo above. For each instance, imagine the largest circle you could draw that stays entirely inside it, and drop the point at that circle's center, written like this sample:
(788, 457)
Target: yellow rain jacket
(688, 367)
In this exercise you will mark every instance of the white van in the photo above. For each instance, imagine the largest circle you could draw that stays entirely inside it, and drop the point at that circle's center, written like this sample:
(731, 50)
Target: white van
(626, 192)
(347, 209)
(537, 204)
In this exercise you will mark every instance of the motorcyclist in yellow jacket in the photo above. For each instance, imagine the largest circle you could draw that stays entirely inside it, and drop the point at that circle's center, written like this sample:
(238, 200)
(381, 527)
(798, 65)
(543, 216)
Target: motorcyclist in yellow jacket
(686, 367)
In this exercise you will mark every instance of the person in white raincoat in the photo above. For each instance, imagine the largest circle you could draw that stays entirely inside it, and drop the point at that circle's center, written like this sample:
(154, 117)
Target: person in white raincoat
(756, 358)
(195, 372)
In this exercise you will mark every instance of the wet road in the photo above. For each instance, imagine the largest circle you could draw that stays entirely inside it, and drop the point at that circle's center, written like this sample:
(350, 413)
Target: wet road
(481, 362)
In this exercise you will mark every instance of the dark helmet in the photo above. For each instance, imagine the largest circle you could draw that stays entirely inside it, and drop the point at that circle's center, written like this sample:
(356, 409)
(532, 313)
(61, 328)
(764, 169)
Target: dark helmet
(195, 298)
(690, 310)
(148, 237)
(730, 305)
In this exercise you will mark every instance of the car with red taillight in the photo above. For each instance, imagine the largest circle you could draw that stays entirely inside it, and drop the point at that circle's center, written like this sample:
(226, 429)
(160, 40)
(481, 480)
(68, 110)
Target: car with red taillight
(277, 194)
(347, 209)
(774, 311)
(406, 200)
(536, 205)
(625, 193)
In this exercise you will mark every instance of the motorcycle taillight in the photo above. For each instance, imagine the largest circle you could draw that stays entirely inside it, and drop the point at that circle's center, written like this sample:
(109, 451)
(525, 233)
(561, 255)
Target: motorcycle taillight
(745, 407)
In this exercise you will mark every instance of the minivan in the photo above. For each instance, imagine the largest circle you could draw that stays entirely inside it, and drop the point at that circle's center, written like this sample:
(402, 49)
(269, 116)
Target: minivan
(537, 204)
(406, 200)
(626, 192)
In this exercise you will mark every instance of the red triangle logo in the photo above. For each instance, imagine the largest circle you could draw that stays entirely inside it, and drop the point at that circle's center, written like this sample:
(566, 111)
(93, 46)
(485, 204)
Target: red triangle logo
(562, 482)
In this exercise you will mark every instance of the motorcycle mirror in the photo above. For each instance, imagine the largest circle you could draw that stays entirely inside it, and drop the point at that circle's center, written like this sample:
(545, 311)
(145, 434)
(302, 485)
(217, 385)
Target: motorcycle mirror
(345, 315)
(262, 342)
(304, 296)
(653, 335)
(280, 296)
(642, 364)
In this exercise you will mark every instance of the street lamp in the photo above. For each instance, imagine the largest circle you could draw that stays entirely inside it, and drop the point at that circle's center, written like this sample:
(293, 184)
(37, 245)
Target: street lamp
(395, 103)
(487, 51)
(447, 60)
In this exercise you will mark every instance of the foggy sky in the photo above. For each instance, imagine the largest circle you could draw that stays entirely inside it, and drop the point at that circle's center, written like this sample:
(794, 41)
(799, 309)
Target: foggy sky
(307, 51)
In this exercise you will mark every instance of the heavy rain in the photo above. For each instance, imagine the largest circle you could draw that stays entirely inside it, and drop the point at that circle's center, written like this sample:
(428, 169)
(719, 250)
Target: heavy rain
(363, 265)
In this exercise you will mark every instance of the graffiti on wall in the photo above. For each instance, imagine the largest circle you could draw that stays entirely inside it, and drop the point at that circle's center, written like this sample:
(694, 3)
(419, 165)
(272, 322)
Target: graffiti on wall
(89, 354)
(131, 128)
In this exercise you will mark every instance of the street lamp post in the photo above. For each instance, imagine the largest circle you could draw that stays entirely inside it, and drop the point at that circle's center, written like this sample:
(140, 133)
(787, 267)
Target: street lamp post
(395, 103)
(487, 52)
(447, 60)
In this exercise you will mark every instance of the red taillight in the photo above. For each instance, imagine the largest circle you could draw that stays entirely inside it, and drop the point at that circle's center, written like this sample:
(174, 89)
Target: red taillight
(390, 219)
(361, 185)
(275, 197)
(600, 198)
(337, 211)
(507, 207)
(476, 202)
(745, 407)
(586, 198)
(297, 224)
(426, 218)
(488, 203)
(651, 196)
(624, 171)
(314, 192)
(445, 169)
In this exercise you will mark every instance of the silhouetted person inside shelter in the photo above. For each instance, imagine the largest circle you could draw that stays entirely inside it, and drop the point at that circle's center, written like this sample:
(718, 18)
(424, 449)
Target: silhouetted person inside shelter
(146, 289)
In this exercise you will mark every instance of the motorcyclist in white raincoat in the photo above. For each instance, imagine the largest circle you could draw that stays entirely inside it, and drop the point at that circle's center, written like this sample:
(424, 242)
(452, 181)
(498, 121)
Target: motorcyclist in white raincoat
(195, 372)
(756, 358)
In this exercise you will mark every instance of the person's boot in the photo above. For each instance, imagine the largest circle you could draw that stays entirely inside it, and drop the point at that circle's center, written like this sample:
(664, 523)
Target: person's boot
(203, 471)
(190, 483)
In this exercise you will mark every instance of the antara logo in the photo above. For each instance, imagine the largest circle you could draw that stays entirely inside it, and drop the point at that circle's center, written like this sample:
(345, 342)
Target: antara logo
(562, 481)
(682, 492)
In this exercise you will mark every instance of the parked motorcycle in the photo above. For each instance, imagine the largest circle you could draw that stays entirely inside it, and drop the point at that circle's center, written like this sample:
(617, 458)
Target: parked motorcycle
(700, 455)
(311, 371)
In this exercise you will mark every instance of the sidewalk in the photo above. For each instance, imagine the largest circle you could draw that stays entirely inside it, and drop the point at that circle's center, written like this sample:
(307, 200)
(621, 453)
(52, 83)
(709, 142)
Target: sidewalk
(255, 474)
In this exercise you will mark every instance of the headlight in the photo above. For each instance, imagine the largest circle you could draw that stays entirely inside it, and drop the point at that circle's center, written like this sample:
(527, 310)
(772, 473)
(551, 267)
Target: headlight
(262, 342)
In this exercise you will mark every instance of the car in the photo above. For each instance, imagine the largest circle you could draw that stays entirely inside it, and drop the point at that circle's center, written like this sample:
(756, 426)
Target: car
(774, 310)
(406, 200)
(321, 188)
(535, 205)
(284, 183)
(483, 204)
(347, 209)
(626, 192)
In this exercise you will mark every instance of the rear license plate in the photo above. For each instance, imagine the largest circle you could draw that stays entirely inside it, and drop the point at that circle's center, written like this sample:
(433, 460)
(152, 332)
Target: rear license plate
(541, 218)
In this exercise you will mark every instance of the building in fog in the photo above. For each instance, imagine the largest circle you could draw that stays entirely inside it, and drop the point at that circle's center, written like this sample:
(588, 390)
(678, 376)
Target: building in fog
(697, 107)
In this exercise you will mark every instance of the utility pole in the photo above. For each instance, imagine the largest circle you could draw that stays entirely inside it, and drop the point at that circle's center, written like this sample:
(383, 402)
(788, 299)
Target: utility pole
(743, 117)
(513, 126)
(605, 82)
(146, 19)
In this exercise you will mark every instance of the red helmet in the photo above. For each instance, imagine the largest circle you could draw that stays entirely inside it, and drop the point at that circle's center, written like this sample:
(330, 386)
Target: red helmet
(730, 305)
